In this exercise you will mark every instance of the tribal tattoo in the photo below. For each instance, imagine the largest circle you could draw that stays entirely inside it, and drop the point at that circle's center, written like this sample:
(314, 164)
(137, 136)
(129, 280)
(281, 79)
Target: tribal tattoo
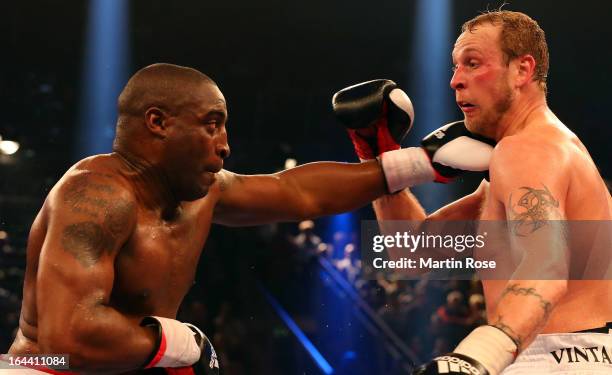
(533, 210)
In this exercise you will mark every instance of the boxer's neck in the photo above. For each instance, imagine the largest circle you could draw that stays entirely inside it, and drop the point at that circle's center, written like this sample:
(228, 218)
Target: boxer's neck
(150, 184)
(520, 114)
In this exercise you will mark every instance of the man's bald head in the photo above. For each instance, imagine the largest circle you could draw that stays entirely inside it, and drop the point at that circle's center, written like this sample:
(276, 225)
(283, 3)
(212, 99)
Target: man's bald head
(165, 86)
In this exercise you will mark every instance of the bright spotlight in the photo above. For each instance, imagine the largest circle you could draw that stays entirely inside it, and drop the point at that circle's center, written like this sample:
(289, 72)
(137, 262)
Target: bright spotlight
(290, 163)
(9, 147)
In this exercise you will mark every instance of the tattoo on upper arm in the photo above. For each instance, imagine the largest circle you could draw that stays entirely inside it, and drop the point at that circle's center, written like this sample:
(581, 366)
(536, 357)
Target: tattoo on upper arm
(109, 219)
(86, 241)
(515, 337)
(532, 210)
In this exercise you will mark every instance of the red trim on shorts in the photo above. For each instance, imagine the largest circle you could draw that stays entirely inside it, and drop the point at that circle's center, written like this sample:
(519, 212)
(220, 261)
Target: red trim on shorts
(49, 371)
(180, 370)
(160, 352)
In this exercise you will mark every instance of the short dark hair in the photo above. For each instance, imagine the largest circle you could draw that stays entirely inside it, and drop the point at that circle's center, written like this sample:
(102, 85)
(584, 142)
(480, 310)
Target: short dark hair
(163, 85)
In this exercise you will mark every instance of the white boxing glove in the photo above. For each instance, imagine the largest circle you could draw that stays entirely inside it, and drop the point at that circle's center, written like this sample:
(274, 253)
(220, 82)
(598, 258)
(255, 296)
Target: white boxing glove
(445, 153)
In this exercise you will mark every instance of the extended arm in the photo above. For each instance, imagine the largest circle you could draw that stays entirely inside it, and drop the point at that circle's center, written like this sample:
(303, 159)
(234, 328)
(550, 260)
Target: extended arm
(307, 191)
(405, 206)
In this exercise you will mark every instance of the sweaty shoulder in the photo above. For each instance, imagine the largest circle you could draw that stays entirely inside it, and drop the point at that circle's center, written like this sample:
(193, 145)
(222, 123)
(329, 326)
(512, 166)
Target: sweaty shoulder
(541, 150)
(550, 160)
(94, 193)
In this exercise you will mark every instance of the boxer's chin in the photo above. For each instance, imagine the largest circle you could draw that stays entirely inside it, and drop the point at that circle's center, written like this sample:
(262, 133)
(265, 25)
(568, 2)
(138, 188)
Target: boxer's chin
(199, 188)
(473, 125)
(195, 194)
(477, 126)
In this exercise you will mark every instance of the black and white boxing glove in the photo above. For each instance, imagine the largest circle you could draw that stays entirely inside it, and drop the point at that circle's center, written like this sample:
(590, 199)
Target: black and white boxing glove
(445, 153)
(376, 114)
(486, 351)
(181, 345)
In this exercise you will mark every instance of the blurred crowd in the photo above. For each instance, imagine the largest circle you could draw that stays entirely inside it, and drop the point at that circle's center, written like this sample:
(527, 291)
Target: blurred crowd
(430, 316)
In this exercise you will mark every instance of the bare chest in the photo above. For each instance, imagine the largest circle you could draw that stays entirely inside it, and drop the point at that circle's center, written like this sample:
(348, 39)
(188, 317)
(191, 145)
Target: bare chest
(157, 266)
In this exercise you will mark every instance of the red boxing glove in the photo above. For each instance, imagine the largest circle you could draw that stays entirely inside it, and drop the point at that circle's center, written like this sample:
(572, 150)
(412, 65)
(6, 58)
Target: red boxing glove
(377, 115)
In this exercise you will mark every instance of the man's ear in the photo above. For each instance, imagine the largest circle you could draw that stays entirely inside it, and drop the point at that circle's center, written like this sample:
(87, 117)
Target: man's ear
(526, 65)
(155, 120)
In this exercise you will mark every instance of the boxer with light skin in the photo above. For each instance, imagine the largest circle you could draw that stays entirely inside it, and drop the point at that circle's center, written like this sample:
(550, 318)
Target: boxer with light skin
(114, 249)
(540, 172)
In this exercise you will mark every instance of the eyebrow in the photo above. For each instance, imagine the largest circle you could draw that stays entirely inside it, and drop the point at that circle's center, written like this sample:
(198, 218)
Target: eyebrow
(466, 51)
(469, 49)
(216, 112)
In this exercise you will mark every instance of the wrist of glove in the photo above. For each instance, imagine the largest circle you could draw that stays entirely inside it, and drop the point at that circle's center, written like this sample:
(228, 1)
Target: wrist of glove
(179, 344)
(485, 351)
(445, 153)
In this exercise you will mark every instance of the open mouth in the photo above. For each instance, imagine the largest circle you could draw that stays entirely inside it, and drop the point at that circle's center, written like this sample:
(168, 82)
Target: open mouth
(466, 106)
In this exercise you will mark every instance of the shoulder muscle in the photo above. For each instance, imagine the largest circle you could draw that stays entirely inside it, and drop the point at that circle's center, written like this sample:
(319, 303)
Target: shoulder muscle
(91, 213)
(529, 177)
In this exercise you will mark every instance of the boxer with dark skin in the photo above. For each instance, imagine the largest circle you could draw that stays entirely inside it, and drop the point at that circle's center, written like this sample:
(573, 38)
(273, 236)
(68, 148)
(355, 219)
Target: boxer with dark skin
(119, 236)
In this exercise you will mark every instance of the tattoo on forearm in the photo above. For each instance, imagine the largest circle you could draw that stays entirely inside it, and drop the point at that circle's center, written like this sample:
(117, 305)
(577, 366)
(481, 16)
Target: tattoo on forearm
(532, 211)
(515, 337)
(108, 220)
(515, 289)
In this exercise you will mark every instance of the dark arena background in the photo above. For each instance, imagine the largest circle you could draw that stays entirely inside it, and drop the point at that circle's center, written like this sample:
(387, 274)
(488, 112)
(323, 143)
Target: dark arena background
(286, 298)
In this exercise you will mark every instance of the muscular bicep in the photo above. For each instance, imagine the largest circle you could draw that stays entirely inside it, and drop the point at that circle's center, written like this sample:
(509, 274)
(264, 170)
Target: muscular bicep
(90, 217)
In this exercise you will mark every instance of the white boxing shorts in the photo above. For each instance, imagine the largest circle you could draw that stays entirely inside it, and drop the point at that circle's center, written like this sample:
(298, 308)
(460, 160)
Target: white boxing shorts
(582, 353)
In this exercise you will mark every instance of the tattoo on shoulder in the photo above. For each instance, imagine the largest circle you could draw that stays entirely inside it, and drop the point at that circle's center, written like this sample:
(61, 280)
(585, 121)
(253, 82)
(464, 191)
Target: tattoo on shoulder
(108, 220)
(532, 210)
(515, 289)
(515, 337)
(86, 196)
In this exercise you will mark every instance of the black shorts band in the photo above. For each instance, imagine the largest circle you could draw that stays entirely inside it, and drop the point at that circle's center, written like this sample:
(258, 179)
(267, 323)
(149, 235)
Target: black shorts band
(604, 329)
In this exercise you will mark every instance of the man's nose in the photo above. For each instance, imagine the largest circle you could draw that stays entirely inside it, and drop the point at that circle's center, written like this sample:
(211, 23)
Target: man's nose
(457, 81)
(223, 149)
